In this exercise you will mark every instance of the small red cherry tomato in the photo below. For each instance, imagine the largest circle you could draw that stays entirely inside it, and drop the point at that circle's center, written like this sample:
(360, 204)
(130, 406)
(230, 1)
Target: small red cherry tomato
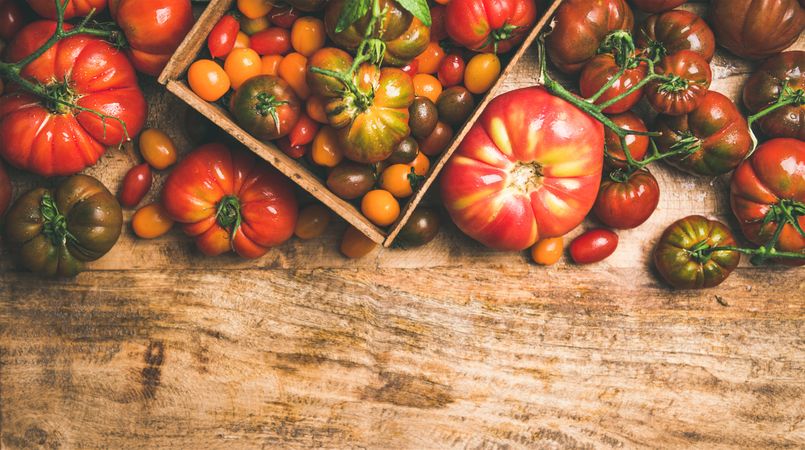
(136, 184)
(593, 246)
(283, 16)
(303, 132)
(271, 41)
(222, 38)
(412, 68)
(451, 70)
(294, 151)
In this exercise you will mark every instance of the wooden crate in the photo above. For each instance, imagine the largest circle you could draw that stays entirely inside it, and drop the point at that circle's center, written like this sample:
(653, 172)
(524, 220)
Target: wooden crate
(173, 78)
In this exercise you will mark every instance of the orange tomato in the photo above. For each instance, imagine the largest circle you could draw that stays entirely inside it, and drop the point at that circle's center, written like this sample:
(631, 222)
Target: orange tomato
(312, 221)
(242, 40)
(355, 244)
(293, 69)
(421, 164)
(380, 207)
(242, 64)
(254, 26)
(326, 151)
(316, 110)
(307, 35)
(157, 149)
(396, 179)
(548, 252)
(269, 64)
(208, 79)
(481, 73)
(151, 221)
(254, 8)
(426, 85)
(430, 58)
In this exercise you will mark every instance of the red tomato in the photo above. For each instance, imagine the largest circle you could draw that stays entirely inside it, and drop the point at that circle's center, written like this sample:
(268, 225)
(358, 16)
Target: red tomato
(63, 142)
(511, 183)
(12, 18)
(153, 29)
(294, 151)
(771, 181)
(625, 204)
(676, 30)
(602, 68)
(304, 131)
(75, 8)
(271, 41)
(490, 25)
(136, 184)
(757, 29)
(593, 246)
(229, 201)
(412, 68)
(451, 70)
(638, 144)
(438, 30)
(283, 16)
(692, 77)
(5, 190)
(655, 6)
(221, 40)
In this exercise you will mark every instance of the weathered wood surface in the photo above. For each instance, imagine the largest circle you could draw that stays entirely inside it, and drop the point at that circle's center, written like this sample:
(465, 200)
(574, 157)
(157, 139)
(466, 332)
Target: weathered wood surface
(449, 345)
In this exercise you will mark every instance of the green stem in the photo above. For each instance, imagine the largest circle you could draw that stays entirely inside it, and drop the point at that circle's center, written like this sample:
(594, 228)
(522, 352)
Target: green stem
(607, 85)
(653, 76)
(787, 97)
(54, 225)
(228, 216)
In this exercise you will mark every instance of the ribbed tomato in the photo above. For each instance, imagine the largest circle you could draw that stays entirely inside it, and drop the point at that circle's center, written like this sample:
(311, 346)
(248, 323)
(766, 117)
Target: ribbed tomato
(756, 29)
(690, 77)
(528, 169)
(676, 30)
(764, 87)
(490, 25)
(53, 139)
(602, 68)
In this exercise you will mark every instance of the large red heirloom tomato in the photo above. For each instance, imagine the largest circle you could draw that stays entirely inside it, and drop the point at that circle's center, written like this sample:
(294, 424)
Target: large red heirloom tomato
(756, 29)
(528, 169)
(490, 25)
(228, 201)
(766, 188)
(75, 8)
(54, 139)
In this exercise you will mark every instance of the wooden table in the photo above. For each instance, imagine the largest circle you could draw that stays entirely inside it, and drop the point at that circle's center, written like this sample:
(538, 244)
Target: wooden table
(449, 345)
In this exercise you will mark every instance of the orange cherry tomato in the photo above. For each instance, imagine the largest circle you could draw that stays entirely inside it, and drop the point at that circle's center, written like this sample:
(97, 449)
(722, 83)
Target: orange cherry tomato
(380, 207)
(157, 149)
(269, 64)
(293, 69)
(397, 179)
(254, 8)
(421, 164)
(307, 35)
(316, 110)
(355, 244)
(151, 221)
(242, 40)
(242, 64)
(312, 221)
(426, 85)
(208, 80)
(548, 252)
(326, 151)
(481, 73)
(429, 60)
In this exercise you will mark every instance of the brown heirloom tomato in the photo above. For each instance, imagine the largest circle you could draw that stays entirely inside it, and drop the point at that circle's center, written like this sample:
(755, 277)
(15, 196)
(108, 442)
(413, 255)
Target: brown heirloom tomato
(12, 19)
(266, 107)
(421, 228)
(681, 263)
(602, 68)
(54, 231)
(676, 30)
(715, 132)
(655, 6)
(766, 188)
(765, 86)
(637, 144)
(691, 77)
(490, 25)
(581, 26)
(627, 203)
(756, 29)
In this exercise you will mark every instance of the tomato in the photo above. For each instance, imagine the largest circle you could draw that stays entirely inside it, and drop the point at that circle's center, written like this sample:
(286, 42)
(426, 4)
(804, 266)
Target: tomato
(229, 201)
(270, 64)
(307, 35)
(312, 222)
(254, 26)
(136, 184)
(304, 131)
(315, 108)
(221, 40)
(151, 221)
(241, 65)
(153, 30)
(678, 263)
(422, 227)
(355, 244)
(637, 144)
(208, 80)
(13, 18)
(350, 180)
(764, 87)
(6, 189)
(676, 30)
(593, 246)
(482, 72)
(292, 69)
(437, 141)
(53, 232)
(74, 8)
(294, 151)
(548, 251)
(438, 29)
(430, 58)
(405, 152)
(421, 164)
(580, 28)
(508, 186)
(715, 132)
(655, 6)
(58, 140)
(685, 92)
(627, 203)
(490, 25)
(380, 207)
(254, 9)
(451, 70)
(602, 68)
(399, 180)
(405, 36)
(283, 16)
(242, 40)
(327, 149)
(756, 29)
(767, 184)
(271, 41)
(426, 85)
(412, 68)
(157, 149)
(423, 117)
(266, 107)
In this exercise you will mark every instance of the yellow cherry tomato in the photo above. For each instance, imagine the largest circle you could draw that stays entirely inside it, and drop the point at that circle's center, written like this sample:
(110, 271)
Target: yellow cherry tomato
(269, 64)
(548, 252)
(426, 85)
(307, 35)
(254, 8)
(421, 164)
(254, 26)
(380, 207)
(396, 179)
(208, 79)
(242, 40)
(151, 221)
(293, 69)
(481, 73)
(312, 221)
(157, 149)
(242, 64)
(316, 110)
(355, 244)
(326, 150)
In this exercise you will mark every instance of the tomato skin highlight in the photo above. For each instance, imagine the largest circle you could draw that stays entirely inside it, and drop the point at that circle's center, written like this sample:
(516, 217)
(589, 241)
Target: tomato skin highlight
(593, 246)
(221, 40)
(135, 186)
